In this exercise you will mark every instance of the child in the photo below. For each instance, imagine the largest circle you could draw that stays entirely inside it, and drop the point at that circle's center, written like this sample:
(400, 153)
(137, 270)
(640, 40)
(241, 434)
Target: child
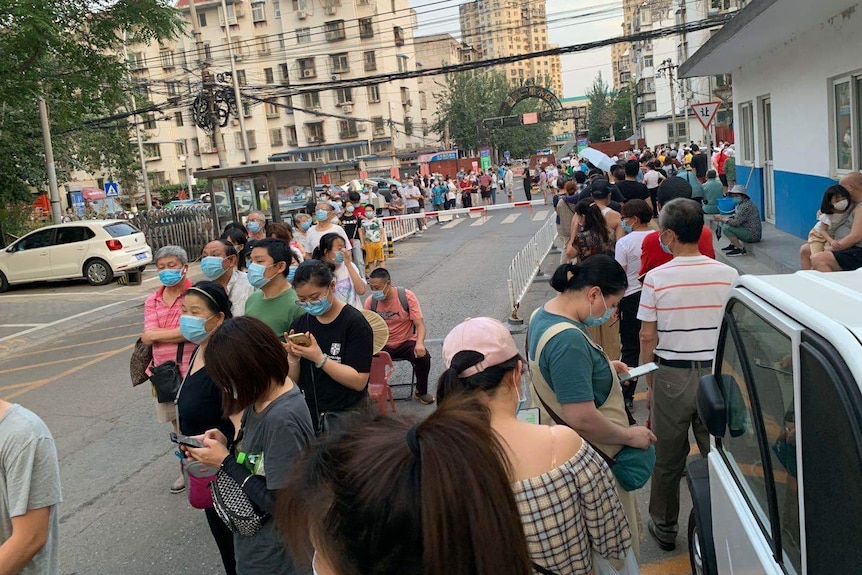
(373, 234)
(834, 209)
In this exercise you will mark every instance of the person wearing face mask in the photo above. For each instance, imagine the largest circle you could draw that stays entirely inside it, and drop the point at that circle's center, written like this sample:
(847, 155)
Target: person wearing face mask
(680, 311)
(323, 215)
(349, 283)
(557, 478)
(301, 224)
(351, 221)
(236, 235)
(577, 384)
(199, 400)
(162, 311)
(743, 226)
(372, 234)
(272, 265)
(333, 370)
(256, 225)
(282, 231)
(218, 264)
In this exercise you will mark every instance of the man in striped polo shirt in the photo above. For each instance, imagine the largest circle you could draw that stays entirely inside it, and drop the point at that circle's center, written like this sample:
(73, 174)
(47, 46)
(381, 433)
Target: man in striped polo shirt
(680, 310)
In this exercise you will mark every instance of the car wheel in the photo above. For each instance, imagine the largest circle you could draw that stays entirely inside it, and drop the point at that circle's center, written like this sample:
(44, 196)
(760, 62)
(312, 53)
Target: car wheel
(142, 268)
(4, 283)
(695, 546)
(98, 272)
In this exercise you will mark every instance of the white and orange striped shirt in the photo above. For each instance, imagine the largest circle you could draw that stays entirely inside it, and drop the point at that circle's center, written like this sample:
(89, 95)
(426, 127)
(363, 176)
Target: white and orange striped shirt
(685, 297)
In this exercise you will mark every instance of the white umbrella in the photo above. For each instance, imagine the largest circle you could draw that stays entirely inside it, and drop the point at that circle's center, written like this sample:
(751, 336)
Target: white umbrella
(597, 158)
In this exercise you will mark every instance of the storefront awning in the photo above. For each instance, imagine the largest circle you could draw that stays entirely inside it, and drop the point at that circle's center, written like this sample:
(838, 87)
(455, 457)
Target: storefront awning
(93, 194)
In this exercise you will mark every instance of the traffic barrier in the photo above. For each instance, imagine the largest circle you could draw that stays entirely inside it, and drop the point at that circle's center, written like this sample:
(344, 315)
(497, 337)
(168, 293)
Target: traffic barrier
(189, 227)
(526, 267)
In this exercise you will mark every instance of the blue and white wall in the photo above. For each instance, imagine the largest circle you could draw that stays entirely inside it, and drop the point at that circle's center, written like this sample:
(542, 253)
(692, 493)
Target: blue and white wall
(797, 77)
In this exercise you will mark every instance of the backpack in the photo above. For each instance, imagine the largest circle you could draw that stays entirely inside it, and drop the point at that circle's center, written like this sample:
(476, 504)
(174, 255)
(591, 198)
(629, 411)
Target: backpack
(402, 297)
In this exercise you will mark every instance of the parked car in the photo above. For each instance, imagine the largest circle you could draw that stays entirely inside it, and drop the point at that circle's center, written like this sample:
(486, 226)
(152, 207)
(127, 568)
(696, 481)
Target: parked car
(779, 492)
(94, 249)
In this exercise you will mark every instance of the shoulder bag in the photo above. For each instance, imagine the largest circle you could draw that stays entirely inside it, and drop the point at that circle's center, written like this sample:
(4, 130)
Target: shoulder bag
(166, 378)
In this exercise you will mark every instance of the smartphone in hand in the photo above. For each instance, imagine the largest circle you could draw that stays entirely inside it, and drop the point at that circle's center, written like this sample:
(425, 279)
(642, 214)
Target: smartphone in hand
(638, 371)
(181, 439)
(299, 339)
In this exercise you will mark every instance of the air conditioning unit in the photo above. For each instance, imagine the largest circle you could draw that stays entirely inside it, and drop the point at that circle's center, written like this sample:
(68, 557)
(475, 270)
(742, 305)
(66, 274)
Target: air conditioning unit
(361, 127)
(237, 57)
(302, 14)
(347, 108)
(335, 78)
(314, 139)
(329, 10)
(234, 122)
(307, 73)
(238, 10)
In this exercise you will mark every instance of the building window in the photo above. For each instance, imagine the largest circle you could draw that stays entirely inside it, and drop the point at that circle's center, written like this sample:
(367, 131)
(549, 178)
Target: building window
(262, 45)
(178, 119)
(250, 137)
(240, 77)
(746, 131)
(303, 35)
(334, 30)
(299, 4)
(398, 32)
(150, 121)
(276, 10)
(311, 100)
(845, 139)
(366, 29)
(179, 148)
(379, 126)
(282, 70)
(370, 60)
(281, 43)
(648, 63)
(314, 132)
(373, 94)
(291, 135)
(402, 63)
(337, 155)
(271, 110)
(680, 132)
(347, 128)
(423, 101)
(339, 62)
(157, 178)
(174, 88)
(307, 68)
(344, 96)
(208, 51)
(268, 75)
(202, 19)
(380, 147)
(276, 137)
(405, 97)
(258, 12)
(152, 151)
(167, 58)
(231, 15)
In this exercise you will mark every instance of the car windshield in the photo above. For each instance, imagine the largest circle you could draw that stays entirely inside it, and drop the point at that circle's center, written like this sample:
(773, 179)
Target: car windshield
(120, 229)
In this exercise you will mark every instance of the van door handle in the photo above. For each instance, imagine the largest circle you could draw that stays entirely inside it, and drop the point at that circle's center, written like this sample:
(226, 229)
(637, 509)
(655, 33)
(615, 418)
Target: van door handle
(45, 253)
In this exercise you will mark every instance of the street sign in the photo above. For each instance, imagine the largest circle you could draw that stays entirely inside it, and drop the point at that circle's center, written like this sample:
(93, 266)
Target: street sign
(485, 158)
(112, 190)
(705, 113)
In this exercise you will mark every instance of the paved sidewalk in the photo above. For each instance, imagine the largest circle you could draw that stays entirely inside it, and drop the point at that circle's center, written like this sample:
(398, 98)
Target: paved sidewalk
(776, 253)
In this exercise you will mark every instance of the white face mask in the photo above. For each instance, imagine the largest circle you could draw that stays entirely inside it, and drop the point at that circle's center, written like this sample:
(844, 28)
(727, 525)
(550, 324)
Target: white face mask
(841, 206)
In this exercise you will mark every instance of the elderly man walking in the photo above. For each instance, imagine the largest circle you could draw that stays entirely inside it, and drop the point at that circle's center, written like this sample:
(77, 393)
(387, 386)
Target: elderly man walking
(680, 312)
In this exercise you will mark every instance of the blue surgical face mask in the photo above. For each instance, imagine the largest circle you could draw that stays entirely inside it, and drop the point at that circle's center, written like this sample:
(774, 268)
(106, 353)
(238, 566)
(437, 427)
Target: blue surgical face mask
(170, 277)
(339, 257)
(321, 215)
(194, 328)
(597, 321)
(627, 228)
(349, 209)
(256, 277)
(305, 226)
(318, 307)
(253, 226)
(665, 248)
(212, 266)
(291, 271)
(378, 295)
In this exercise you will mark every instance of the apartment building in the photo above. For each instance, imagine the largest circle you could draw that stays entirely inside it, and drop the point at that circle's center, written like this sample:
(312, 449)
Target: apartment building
(279, 46)
(435, 51)
(499, 28)
(621, 53)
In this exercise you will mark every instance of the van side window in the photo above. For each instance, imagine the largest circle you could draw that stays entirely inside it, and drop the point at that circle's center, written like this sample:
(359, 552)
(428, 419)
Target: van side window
(761, 447)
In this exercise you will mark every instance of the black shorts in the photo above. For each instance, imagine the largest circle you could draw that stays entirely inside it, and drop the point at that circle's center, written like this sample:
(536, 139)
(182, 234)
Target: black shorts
(849, 259)
(485, 192)
(723, 178)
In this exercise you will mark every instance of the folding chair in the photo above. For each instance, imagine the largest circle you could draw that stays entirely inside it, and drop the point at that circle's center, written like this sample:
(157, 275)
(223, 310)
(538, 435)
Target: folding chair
(412, 383)
(378, 381)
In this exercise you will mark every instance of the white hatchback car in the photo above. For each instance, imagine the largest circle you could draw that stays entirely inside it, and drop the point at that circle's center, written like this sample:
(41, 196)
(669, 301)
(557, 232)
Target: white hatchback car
(96, 250)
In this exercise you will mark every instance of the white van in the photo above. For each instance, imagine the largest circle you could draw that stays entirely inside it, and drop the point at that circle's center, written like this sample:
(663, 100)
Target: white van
(781, 490)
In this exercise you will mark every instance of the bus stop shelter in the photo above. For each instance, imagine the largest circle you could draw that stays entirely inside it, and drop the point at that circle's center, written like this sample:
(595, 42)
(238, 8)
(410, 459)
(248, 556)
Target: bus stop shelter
(279, 189)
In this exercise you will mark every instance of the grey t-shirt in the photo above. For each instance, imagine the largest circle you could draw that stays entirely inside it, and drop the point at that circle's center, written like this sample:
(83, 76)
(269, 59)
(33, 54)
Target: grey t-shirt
(278, 435)
(29, 479)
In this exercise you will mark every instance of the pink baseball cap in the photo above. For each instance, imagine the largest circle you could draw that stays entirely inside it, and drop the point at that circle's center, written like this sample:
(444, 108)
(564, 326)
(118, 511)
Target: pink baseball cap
(484, 335)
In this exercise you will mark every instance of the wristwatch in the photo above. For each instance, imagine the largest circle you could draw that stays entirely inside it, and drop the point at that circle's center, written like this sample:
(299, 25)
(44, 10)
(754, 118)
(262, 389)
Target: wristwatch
(319, 364)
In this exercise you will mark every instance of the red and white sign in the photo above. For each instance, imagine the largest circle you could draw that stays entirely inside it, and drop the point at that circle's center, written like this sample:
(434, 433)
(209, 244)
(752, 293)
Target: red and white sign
(705, 113)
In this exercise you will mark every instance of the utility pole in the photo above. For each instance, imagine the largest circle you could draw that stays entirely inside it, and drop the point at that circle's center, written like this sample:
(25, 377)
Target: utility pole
(145, 179)
(392, 142)
(206, 79)
(236, 92)
(684, 89)
(633, 94)
(56, 212)
(667, 67)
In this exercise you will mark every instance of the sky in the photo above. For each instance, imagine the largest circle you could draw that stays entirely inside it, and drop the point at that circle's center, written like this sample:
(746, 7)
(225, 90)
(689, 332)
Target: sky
(569, 23)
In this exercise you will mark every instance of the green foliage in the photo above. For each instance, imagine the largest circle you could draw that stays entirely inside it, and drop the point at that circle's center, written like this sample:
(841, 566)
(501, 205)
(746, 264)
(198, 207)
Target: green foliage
(67, 51)
(466, 98)
(15, 221)
(610, 113)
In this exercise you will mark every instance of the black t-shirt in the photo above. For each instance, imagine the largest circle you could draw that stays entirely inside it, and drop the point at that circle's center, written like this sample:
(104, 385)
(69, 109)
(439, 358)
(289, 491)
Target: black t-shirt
(346, 340)
(350, 222)
(700, 163)
(632, 190)
(199, 405)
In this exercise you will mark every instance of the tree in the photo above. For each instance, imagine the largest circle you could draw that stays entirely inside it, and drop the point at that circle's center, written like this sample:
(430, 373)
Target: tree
(623, 112)
(601, 110)
(468, 98)
(67, 51)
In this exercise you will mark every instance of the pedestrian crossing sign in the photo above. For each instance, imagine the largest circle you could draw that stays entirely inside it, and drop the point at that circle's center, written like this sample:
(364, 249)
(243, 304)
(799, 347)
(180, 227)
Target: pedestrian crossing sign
(112, 190)
(705, 113)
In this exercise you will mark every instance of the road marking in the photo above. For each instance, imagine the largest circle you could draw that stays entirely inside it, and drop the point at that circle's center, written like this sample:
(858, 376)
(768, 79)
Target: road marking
(21, 324)
(481, 222)
(46, 363)
(93, 342)
(65, 319)
(42, 382)
(127, 287)
(118, 327)
(451, 224)
(510, 219)
(540, 216)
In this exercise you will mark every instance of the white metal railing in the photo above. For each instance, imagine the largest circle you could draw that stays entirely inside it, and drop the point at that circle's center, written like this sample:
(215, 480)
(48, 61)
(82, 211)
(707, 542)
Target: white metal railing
(400, 228)
(525, 266)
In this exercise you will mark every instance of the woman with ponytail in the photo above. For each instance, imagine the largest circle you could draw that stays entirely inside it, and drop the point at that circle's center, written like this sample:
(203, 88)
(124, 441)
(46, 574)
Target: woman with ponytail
(590, 233)
(389, 498)
(577, 384)
(565, 492)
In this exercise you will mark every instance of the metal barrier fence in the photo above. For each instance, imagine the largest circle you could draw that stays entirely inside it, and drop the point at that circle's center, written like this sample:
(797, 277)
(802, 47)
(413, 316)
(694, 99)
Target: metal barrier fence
(191, 228)
(398, 229)
(525, 266)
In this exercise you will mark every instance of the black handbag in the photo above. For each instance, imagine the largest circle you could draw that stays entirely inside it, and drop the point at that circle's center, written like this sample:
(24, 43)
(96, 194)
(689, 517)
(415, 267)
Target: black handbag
(166, 378)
